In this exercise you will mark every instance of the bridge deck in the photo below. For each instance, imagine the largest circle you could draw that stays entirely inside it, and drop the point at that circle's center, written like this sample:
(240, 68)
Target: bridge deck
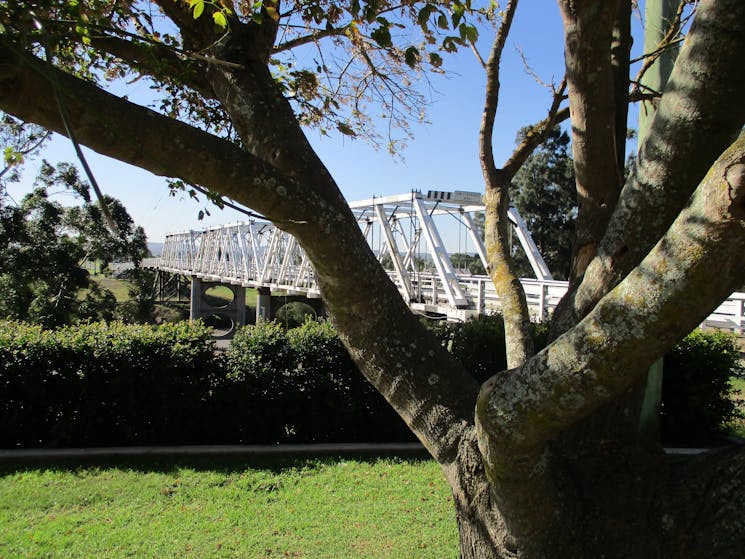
(405, 232)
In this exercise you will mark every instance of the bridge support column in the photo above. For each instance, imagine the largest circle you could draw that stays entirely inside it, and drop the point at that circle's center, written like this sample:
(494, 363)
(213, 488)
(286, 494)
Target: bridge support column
(195, 305)
(239, 303)
(263, 304)
(226, 317)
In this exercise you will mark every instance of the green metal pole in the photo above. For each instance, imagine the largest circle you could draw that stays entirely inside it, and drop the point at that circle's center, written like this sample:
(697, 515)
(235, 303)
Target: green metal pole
(658, 14)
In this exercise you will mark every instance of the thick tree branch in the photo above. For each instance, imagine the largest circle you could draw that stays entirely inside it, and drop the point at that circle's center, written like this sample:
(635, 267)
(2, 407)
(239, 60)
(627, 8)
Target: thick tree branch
(689, 272)
(620, 61)
(136, 135)
(588, 33)
(518, 333)
(698, 116)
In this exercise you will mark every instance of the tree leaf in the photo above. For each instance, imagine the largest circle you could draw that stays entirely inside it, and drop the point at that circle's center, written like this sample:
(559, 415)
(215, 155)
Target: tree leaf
(220, 20)
(382, 36)
(411, 56)
(198, 9)
(346, 129)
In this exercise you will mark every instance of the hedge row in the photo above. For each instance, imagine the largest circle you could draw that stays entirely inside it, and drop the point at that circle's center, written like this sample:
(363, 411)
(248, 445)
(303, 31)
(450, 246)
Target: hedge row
(104, 384)
(113, 384)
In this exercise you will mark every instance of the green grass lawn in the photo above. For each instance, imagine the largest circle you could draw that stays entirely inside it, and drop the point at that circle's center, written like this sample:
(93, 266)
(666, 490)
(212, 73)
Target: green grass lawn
(737, 427)
(313, 509)
(118, 287)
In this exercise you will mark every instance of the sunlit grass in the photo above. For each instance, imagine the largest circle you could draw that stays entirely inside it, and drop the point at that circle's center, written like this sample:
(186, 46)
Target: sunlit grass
(314, 509)
(737, 427)
(120, 288)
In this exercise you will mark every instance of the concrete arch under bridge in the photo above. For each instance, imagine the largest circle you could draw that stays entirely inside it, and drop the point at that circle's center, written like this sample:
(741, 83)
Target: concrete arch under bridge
(407, 232)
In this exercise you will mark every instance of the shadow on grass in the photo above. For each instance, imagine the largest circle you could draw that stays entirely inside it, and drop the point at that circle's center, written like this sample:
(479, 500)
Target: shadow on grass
(225, 465)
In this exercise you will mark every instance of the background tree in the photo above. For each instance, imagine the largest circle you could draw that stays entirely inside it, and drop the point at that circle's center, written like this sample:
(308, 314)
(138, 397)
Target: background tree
(544, 459)
(470, 262)
(40, 273)
(45, 247)
(19, 141)
(127, 242)
(543, 192)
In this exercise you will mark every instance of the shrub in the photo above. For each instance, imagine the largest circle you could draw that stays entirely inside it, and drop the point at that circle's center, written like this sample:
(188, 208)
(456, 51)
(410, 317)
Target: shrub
(111, 384)
(294, 314)
(302, 386)
(338, 403)
(105, 384)
(696, 398)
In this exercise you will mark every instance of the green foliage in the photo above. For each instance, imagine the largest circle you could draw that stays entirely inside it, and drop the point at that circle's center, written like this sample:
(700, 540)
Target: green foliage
(258, 351)
(19, 141)
(470, 262)
(294, 314)
(696, 398)
(301, 385)
(43, 247)
(100, 384)
(105, 384)
(478, 343)
(39, 272)
(142, 293)
(544, 193)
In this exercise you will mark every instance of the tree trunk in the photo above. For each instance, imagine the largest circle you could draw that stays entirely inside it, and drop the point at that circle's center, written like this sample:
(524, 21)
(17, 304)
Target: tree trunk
(608, 502)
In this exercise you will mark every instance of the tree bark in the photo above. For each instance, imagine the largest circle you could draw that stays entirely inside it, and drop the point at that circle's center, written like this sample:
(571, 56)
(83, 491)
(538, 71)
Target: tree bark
(514, 307)
(694, 123)
(588, 32)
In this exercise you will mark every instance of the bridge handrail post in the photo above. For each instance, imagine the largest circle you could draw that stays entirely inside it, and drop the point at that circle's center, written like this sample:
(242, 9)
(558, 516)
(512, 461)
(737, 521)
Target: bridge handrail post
(542, 303)
(481, 297)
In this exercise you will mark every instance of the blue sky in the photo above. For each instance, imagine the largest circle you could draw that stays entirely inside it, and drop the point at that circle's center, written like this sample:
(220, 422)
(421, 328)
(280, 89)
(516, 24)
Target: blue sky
(443, 155)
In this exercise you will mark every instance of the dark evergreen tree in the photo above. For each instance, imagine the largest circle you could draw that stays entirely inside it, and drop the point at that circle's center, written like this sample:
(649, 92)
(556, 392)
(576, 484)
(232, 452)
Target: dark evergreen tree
(544, 193)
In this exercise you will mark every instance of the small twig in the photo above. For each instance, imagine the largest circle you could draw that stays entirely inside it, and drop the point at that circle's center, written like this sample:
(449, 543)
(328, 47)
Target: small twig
(478, 54)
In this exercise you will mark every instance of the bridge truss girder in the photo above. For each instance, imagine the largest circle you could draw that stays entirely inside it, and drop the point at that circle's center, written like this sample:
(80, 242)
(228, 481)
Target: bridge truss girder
(408, 226)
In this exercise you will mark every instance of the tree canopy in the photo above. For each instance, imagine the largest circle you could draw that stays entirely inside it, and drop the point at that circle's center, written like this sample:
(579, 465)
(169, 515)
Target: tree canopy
(543, 192)
(45, 247)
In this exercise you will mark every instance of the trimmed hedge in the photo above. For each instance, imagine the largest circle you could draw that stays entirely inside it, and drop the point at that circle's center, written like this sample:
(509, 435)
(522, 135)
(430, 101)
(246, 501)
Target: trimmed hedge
(301, 385)
(113, 384)
(104, 384)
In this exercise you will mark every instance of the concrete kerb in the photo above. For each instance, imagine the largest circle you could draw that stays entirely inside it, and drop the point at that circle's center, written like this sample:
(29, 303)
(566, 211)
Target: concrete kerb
(236, 452)
(218, 452)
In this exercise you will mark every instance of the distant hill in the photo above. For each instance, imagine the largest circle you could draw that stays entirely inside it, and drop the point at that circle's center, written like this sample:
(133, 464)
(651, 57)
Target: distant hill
(156, 249)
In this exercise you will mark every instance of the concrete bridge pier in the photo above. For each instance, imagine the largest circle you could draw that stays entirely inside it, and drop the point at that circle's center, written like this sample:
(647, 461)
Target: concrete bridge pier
(263, 304)
(233, 311)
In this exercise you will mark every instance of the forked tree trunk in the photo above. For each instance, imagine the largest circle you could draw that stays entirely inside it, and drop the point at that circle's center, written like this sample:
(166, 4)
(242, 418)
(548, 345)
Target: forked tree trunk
(611, 502)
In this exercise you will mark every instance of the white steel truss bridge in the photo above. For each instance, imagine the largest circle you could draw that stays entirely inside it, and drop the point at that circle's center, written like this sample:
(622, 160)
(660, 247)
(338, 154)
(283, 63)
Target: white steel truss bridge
(406, 233)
